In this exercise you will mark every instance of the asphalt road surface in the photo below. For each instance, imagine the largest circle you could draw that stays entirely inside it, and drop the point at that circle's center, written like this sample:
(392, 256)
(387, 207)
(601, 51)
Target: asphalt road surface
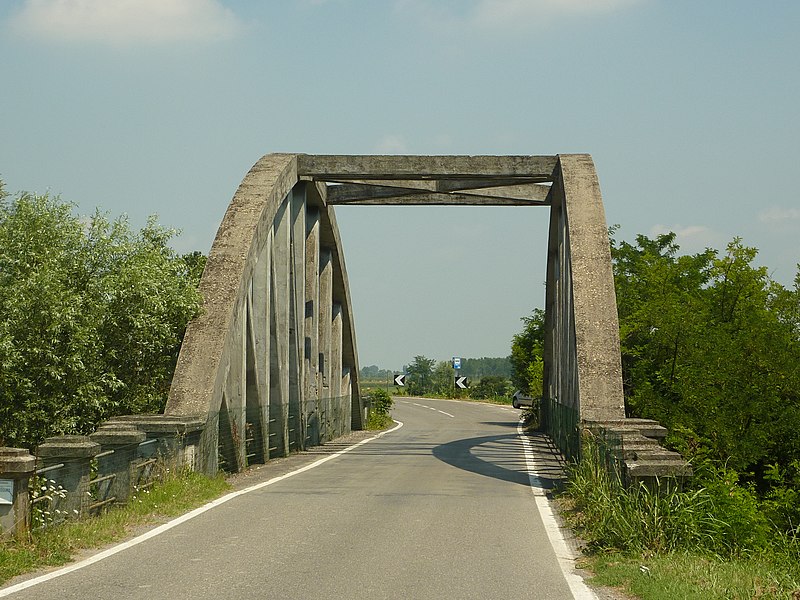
(443, 507)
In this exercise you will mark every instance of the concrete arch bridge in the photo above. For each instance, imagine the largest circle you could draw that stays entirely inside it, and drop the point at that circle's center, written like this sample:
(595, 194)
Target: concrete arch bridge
(271, 365)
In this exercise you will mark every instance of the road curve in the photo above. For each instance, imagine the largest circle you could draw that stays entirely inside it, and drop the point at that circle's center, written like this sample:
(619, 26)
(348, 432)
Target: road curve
(443, 507)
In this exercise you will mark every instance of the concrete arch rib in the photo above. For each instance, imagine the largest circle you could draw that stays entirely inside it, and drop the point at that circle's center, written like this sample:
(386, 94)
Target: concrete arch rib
(583, 368)
(249, 364)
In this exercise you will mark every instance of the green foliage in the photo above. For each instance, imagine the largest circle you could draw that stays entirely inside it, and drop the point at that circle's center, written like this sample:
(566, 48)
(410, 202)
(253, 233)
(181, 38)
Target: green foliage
(713, 514)
(91, 318)
(492, 386)
(699, 576)
(475, 368)
(420, 376)
(527, 350)
(381, 404)
(374, 373)
(710, 348)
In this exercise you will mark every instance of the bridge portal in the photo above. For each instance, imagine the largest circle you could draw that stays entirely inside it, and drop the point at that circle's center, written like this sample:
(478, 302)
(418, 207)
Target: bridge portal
(271, 364)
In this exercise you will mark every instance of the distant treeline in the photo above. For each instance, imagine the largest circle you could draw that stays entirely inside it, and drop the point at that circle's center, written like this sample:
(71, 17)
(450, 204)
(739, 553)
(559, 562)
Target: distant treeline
(473, 368)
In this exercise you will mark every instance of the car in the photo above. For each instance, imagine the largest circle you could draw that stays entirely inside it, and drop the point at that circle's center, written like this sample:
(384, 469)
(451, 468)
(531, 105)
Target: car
(518, 400)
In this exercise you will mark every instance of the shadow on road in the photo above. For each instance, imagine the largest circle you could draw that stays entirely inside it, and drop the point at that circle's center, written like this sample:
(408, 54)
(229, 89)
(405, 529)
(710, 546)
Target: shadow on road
(502, 457)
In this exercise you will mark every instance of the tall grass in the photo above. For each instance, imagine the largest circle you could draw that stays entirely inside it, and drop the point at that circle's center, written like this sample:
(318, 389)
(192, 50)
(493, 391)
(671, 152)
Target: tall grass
(713, 523)
(713, 512)
(176, 494)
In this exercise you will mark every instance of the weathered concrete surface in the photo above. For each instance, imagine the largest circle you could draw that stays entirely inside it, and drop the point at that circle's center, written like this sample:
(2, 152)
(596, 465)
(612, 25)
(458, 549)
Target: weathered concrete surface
(245, 366)
(16, 466)
(417, 167)
(198, 377)
(582, 250)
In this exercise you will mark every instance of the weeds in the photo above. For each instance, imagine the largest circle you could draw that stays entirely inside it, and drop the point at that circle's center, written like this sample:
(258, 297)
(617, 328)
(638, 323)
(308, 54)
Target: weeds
(380, 406)
(708, 540)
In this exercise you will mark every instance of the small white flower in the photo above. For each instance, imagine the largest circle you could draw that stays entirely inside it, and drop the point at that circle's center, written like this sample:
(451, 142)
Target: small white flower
(75, 511)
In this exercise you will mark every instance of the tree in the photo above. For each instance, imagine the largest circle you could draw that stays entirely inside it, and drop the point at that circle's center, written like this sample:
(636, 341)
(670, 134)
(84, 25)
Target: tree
(527, 349)
(442, 379)
(419, 380)
(710, 349)
(491, 386)
(91, 318)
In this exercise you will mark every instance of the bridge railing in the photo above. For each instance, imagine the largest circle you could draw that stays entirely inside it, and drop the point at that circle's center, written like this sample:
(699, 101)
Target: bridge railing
(318, 421)
(562, 424)
(69, 477)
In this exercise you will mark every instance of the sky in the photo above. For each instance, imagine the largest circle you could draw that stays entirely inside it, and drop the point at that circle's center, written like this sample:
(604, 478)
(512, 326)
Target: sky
(689, 110)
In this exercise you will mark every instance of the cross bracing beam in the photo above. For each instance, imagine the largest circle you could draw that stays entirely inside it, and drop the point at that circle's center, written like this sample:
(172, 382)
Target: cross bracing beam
(444, 185)
(509, 195)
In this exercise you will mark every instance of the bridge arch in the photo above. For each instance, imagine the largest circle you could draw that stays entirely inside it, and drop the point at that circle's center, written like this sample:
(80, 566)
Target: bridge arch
(271, 363)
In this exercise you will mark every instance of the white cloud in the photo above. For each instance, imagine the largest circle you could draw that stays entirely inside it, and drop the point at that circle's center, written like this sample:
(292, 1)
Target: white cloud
(126, 22)
(779, 215)
(508, 15)
(692, 238)
(392, 144)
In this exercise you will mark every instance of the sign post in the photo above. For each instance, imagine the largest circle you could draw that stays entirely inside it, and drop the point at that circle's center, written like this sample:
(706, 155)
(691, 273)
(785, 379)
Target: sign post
(456, 366)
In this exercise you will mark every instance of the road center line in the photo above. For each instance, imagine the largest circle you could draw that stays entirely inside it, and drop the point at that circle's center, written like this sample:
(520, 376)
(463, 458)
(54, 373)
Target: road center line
(429, 408)
(183, 518)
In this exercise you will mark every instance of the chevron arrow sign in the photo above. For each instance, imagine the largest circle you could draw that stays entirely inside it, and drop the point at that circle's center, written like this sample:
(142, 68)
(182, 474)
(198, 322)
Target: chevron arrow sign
(400, 380)
(461, 382)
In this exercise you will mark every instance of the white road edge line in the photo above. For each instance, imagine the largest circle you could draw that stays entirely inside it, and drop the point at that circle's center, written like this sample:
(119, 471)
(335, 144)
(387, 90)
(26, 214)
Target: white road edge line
(182, 519)
(565, 556)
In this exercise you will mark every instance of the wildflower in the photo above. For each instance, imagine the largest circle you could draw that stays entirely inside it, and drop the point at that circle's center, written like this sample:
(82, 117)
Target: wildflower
(75, 511)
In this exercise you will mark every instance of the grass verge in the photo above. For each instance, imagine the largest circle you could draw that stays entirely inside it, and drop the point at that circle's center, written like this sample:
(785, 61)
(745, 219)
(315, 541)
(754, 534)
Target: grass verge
(694, 575)
(56, 545)
(707, 539)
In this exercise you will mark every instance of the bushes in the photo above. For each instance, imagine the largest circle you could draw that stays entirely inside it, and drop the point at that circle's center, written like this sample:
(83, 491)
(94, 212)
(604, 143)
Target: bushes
(380, 406)
(491, 386)
(91, 318)
(715, 513)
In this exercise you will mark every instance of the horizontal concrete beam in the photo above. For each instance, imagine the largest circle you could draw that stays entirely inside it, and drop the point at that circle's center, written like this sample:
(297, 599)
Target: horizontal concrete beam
(328, 166)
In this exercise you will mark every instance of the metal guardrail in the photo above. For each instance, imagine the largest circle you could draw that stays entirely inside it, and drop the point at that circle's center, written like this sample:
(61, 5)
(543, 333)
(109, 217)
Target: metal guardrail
(562, 424)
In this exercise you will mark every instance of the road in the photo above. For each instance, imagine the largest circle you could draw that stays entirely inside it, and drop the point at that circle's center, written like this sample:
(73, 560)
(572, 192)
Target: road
(442, 507)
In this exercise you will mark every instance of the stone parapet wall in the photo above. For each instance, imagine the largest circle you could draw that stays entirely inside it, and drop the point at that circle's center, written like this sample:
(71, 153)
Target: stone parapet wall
(638, 449)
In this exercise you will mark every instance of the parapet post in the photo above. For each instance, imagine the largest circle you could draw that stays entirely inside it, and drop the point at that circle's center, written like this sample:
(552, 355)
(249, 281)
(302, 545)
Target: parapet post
(16, 469)
(74, 455)
(178, 437)
(119, 444)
